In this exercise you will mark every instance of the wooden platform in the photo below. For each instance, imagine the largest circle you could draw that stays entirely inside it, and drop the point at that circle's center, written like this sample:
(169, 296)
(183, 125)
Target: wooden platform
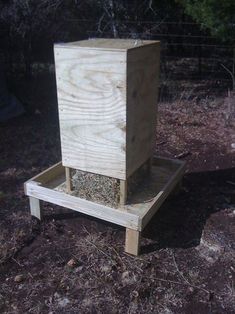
(50, 186)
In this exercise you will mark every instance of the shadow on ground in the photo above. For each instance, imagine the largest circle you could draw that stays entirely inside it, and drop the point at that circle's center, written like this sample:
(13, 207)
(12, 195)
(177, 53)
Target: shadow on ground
(179, 223)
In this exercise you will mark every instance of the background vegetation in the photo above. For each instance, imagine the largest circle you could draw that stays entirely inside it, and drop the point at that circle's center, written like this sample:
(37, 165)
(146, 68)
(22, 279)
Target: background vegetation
(187, 28)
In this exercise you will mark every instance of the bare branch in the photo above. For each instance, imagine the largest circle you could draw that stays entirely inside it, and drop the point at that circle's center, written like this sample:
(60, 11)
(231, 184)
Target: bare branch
(231, 74)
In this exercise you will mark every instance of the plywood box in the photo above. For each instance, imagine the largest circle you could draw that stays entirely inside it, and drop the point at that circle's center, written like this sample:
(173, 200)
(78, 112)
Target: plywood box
(107, 96)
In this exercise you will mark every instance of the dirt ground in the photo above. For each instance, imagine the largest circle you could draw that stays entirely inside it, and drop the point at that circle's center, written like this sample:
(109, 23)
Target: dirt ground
(72, 264)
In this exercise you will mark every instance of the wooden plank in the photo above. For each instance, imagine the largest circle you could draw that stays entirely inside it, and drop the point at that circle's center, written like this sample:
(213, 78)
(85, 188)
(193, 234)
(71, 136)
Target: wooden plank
(68, 179)
(142, 96)
(169, 163)
(157, 201)
(35, 209)
(123, 192)
(117, 216)
(159, 160)
(91, 88)
(49, 174)
(132, 244)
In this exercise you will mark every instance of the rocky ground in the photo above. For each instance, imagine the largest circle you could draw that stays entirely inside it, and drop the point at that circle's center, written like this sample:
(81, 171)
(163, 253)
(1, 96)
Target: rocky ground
(72, 264)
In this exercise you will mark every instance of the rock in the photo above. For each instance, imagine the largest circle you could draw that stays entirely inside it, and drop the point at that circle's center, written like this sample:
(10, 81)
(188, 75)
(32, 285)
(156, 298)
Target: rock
(72, 263)
(125, 275)
(135, 294)
(63, 302)
(19, 278)
(190, 289)
(106, 269)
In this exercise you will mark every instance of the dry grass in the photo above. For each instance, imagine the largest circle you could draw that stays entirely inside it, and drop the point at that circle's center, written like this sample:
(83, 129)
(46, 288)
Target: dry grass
(172, 274)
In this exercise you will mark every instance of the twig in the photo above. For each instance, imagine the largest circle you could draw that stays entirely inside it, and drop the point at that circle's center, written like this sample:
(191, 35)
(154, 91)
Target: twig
(230, 72)
(161, 143)
(101, 251)
(135, 257)
(93, 244)
(230, 182)
(118, 255)
(185, 279)
(17, 262)
(150, 6)
(99, 23)
(30, 275)
(166, 280)
(182, 155)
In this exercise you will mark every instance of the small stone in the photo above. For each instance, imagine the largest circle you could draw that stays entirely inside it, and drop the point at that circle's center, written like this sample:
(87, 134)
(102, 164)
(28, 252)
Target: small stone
(125, 274)
(72, 263)
(80, 268)
(19, 278)
(190, 289)
(105, 268)
(63, 302)
(135, 294)
(37, 112)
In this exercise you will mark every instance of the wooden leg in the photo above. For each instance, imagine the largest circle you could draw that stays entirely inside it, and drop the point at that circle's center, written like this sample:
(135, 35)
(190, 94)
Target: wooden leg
(68, 179)
(35, 209)
(132, 244)
(123, 192)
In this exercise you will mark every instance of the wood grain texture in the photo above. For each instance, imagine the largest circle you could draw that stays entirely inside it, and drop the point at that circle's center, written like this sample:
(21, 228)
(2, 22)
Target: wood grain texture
(107, 94)
(68, 179)
(91, 87)
(123, 192)
(35, 209)
(166, 173)
(142, 96)
(120, 217)
(132, 244)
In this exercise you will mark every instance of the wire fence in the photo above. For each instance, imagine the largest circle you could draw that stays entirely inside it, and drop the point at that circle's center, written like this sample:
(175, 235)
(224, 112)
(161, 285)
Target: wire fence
(187, 50)
(185, 47)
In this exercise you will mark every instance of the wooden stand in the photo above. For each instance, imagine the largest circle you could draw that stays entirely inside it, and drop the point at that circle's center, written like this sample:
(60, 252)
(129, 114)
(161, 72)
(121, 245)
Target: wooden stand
(50, 186)
(123, 192)
(68, 179)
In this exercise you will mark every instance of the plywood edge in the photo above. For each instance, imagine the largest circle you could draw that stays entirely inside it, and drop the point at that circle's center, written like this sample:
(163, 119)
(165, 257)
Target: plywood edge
(116, 216)
(158, 200)
(121, 175)
(146, 43)
(151, 43)
(66, 46)
(27, 184)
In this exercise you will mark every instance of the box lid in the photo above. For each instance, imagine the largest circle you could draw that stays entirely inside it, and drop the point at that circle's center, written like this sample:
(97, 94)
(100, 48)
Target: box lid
(108, 43)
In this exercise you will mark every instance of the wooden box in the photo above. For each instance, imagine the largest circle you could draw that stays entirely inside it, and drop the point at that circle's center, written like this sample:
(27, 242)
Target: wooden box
(107, 96)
